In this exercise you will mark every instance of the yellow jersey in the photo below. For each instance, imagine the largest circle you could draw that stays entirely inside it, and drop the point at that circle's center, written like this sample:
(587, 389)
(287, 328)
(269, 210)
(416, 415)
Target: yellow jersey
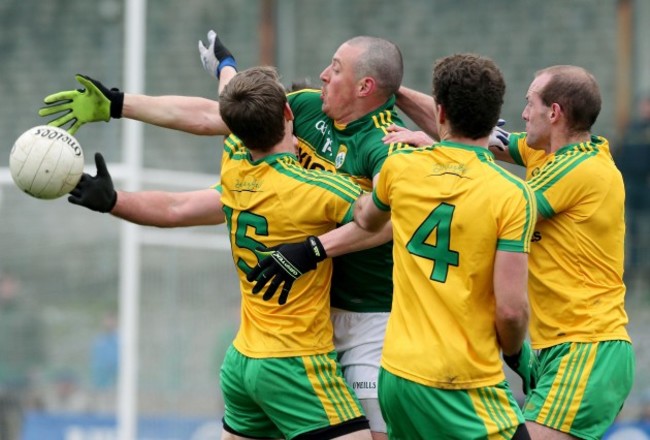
(269, 202)
(576, 260)
(451, 208)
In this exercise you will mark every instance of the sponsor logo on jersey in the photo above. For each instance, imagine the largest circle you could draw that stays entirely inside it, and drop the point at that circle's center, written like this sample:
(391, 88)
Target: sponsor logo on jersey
(248, 185)
(309, 161)
(537, 236)
(327, 148)
(340, 156)
(321, 126)
(457, 169)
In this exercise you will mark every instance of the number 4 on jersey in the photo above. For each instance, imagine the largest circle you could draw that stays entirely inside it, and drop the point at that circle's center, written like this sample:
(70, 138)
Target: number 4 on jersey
(438, 222)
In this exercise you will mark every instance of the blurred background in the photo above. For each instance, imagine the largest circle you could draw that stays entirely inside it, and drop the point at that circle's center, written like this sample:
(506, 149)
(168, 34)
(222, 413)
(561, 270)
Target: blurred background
(62, 268)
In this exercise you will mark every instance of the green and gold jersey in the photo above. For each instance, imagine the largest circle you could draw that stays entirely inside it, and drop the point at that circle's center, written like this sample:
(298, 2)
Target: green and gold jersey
(361, 282)
(576, 261)
(452, 209)
(269, 202)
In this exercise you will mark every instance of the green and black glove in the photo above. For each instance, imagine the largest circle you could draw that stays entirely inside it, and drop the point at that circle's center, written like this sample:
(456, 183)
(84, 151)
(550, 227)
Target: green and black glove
(96, 193)
(526, 365)
(95, 102)
(284, 265)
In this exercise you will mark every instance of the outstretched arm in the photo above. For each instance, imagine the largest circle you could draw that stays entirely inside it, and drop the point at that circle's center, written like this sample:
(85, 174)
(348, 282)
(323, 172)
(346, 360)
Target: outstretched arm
(170, 209)
(184, 113)
(420, 108)
(96, 102)
(352, 238)
(148, 208)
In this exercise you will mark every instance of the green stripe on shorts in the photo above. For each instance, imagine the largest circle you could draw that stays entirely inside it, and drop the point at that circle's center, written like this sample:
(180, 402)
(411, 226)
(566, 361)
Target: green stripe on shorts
(486, 412)
(581, 387)
(285, 397)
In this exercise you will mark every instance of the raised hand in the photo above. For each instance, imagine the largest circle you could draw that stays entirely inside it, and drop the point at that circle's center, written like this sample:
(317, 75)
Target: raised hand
(94, 102)
(216, 56)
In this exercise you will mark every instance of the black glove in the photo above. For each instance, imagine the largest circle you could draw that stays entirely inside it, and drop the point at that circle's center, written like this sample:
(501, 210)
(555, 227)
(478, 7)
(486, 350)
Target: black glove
(526, 365)
(96, 193)
(284, 265)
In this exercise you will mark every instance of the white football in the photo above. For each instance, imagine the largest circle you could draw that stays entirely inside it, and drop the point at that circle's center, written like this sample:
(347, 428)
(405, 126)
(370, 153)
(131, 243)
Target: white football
(46, 162)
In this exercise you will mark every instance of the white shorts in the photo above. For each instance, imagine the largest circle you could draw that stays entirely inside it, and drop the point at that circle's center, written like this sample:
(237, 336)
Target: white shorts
(359, 338)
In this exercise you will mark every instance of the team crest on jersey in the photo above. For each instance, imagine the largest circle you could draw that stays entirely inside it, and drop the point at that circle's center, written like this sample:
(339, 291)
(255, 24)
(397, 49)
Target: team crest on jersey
(340, 156)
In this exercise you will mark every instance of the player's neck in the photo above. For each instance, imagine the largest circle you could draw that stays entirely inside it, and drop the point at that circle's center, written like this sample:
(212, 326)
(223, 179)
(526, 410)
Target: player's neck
(362, 107)
(563, 139)
(286, 145)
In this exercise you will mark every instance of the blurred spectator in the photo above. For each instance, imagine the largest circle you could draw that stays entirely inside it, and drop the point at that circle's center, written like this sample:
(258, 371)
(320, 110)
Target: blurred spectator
(22, 355)
(633, 159)
(105, 361)
(301, 84)
(66, 396)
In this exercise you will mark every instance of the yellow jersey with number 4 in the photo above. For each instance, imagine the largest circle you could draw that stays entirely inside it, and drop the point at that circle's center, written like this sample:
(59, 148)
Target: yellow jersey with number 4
(451, 208)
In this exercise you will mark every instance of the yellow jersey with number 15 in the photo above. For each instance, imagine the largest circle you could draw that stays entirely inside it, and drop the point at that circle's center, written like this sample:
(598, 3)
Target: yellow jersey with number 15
(451, 208)
(269, 202)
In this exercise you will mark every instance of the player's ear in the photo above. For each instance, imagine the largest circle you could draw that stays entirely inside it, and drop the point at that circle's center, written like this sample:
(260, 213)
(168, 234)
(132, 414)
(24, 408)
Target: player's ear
(441, 114)
(288, 114)
(367, 85)
(556, 111)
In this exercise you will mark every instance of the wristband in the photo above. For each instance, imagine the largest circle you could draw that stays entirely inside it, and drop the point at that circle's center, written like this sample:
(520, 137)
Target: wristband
(228, 61)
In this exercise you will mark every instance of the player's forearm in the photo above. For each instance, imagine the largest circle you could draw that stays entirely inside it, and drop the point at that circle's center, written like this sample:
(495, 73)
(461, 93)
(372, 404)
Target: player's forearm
(166, 209)
(511, 325)
(189, 114)
(512, 312)
(420, 108)
(147, 208)
(227, 73)
(351, 238)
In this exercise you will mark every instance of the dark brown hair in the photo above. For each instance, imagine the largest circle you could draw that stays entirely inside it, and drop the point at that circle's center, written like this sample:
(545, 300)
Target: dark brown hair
(471, 89)
(252, 106)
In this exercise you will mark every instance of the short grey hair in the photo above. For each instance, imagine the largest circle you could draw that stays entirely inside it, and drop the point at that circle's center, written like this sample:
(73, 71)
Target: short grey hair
(381, 60)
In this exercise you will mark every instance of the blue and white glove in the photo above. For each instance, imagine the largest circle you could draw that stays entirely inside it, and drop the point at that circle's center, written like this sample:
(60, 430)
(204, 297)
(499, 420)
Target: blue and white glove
(499, 138)
(216, 56)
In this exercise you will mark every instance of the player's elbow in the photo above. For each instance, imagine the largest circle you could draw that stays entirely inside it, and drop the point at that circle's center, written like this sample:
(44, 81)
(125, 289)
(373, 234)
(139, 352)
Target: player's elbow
(209, 125)
(513, 315)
